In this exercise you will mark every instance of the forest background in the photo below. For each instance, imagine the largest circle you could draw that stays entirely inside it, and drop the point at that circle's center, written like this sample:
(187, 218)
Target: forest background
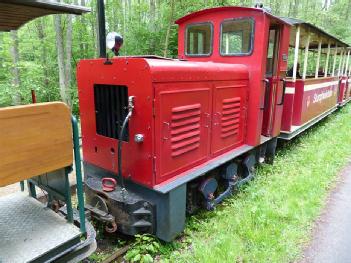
(43, 55)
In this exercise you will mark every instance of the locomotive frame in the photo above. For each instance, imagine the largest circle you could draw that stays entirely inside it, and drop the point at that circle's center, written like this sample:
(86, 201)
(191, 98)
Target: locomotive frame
(163, 137)
(195, 122)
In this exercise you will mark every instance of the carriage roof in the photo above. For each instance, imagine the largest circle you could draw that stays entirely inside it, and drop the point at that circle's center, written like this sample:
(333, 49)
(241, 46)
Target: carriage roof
(316, 34)
(15, 13)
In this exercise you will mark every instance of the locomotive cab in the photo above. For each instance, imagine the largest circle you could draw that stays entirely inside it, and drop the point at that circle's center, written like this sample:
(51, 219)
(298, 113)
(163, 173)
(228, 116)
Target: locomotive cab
(250, 36)
(166, 132)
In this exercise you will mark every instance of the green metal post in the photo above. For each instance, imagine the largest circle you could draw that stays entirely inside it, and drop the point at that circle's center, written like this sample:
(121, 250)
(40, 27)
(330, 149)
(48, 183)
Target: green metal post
(68, 197)
(31, 188)
(22, 186)
(79, 178)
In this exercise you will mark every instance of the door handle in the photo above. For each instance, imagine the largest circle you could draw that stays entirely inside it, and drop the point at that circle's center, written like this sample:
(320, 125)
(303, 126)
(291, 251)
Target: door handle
(216, 118)
(283, 95)
(165, 130)
(266, 95)
(207, 120)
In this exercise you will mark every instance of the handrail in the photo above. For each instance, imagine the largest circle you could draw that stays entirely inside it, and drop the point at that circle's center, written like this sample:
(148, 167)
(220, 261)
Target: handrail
(78, 168)
(283, 94)
(267, 93)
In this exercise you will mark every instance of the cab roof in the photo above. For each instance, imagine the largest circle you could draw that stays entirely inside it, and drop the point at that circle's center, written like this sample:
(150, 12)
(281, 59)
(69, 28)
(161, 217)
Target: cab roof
(15, 13)
(229, 8)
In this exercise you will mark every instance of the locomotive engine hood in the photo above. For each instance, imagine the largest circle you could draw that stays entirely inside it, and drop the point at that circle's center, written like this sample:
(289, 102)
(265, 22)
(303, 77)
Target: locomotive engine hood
(103, 94)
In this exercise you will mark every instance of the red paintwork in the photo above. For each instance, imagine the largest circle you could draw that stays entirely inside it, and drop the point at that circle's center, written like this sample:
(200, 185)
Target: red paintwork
(347, 89)
(307, 102)
(190, 112)
(342, 89)
(193, 112)
(170, 87)
(272, 118)
(288, 108)
(255, 62)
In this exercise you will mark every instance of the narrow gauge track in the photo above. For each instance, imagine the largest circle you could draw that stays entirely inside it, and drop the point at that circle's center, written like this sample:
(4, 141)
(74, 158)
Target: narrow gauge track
(116, 255)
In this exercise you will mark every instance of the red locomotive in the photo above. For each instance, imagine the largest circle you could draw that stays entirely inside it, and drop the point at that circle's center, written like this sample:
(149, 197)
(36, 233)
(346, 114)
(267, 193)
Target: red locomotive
(171, 130)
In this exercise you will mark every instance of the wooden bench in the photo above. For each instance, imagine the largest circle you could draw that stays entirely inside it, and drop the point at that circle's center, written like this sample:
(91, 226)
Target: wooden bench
(34, 139)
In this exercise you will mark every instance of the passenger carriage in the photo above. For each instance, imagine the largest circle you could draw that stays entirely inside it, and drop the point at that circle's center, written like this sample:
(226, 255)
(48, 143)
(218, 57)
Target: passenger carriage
(323, 82)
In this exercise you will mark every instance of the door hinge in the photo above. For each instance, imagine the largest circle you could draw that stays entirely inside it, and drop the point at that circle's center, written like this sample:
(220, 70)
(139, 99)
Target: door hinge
(153, 108)
(154, 164)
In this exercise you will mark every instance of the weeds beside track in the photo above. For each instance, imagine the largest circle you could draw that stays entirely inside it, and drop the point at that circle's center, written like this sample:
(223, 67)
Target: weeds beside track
(270, 219)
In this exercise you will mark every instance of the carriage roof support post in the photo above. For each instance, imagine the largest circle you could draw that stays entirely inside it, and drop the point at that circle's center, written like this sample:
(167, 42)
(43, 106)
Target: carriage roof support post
(343, 58)
(335, 56)
(307, 45)
(346, 63)
(318, 57)
(340, 62)
(296, 55)
(327, 61)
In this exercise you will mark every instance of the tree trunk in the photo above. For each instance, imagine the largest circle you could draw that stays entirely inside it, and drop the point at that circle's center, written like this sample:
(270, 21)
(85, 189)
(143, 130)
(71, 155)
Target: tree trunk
(1, 50)
(296, 8)
(16, 99)
(124, 17)
(82, 31)
(348, 10)
(290, 8)
(130, 10)
(40, 23)
(65, 96)
(171, 18)
(94, 30)
(152, 26)
(68, 66)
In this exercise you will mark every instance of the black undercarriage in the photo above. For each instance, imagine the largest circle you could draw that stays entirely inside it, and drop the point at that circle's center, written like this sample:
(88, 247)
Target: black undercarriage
(137, 209)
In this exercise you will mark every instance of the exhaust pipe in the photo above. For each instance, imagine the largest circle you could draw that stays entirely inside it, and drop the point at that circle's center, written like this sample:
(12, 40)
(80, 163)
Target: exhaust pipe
(101, 28)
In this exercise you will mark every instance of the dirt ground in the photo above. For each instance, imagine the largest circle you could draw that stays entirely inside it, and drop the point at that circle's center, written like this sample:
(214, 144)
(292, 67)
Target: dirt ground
(331, 239)
(9, 189)
(16, 187)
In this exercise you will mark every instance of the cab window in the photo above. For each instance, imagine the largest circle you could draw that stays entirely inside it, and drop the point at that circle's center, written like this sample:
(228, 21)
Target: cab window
(199, 39)
(237, 37)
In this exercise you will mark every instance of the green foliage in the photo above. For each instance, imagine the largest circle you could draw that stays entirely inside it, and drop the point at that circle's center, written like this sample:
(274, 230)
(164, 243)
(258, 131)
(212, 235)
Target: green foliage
(97, 257)
(143, 249)
(270, 219)
(144, 31)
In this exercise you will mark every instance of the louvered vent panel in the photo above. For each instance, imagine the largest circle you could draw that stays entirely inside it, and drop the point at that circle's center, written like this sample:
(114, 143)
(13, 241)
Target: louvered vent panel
(185, 129)
(111, 108)
(230, 120)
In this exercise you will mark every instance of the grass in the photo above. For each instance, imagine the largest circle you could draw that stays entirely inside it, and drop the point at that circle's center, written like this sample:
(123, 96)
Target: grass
(270, 220)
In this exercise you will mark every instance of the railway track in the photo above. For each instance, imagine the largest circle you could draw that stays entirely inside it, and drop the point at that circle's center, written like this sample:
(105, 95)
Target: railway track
(116, 255)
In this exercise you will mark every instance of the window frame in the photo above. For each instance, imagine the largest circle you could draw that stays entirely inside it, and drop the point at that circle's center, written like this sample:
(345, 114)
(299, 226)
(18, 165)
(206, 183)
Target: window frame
(252, 37)
(186, 39)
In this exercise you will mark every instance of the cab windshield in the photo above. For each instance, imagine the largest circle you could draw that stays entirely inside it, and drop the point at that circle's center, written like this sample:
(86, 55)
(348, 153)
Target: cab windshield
(199, 39)
(237, 37)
